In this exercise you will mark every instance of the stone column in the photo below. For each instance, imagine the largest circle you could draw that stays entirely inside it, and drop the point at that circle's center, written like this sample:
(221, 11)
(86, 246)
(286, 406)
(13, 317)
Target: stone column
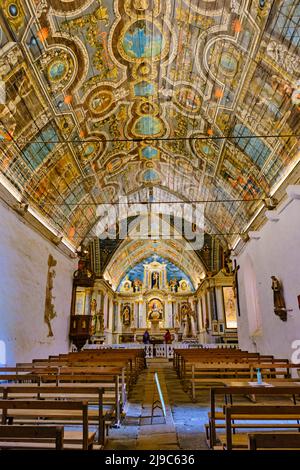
(136, 314)
(220, 303)
(87, 306)
(195, 309)
(199, 314)
(143, 315)
(110, 313)
(119, 324)
(214, 312)
(101, 303)
(115, 317)
(168, 322)
(105, 313)
(208, 307)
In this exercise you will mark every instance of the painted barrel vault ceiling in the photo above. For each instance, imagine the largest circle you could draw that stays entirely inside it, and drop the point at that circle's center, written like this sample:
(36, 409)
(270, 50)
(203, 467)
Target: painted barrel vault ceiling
(197, 100)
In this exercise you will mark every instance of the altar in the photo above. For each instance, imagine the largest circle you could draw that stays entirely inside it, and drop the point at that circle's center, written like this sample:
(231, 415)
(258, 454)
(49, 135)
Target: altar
(151, 297)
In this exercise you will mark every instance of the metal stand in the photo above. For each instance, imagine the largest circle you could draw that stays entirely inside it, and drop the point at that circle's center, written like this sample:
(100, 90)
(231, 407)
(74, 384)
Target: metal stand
(158, 401)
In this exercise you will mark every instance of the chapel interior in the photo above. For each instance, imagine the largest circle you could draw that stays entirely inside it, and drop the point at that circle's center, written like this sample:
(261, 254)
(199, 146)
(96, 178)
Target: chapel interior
(150, 224)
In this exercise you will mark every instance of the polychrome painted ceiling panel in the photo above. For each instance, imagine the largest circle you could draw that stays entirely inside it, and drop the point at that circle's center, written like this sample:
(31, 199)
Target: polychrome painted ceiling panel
(105, 98)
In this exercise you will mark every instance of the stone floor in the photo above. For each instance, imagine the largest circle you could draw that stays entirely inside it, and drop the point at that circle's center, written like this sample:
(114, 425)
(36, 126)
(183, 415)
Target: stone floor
(184, 426)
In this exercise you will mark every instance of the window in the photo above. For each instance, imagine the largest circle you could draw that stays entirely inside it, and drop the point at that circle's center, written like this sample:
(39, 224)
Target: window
(2, 352)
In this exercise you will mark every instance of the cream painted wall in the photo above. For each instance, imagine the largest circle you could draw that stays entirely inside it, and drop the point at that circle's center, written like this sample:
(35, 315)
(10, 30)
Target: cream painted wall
(276, 252)
(23, 276)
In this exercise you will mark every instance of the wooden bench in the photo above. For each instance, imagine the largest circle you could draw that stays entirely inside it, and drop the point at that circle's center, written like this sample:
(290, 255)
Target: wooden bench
(88, 394)
(216, 419)
(231, 441)
(111, 384)
(206, 375)
(31, 437)
(60, 410)
(65, 368)
(274, 441)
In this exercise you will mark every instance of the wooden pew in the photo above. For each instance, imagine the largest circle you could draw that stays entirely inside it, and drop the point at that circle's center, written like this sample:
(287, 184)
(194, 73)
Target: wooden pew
(88, 394)
(274, 441)
(65, 367)
(288, 391)
(108, 380)
(206, 355)
(20, 378)
(206, 375)
(31, 437)
(255, 413)
(28, 409)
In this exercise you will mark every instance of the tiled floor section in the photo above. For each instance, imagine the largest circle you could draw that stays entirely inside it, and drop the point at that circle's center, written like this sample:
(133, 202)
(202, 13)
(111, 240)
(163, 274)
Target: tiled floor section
(184, 423)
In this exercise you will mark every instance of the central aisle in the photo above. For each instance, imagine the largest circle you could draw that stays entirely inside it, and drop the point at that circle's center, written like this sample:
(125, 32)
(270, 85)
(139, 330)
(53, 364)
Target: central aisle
(184, 424)
(161, 434)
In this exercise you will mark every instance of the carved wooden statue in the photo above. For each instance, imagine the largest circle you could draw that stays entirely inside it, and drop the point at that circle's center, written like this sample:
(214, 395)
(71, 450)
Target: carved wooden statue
(279, 303)
(49, 306)
(188, 320)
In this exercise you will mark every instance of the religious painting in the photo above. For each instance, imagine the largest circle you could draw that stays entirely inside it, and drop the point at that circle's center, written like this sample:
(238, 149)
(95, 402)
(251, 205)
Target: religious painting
(22, 102)
(126, 315)
(229, 308)
(155, 310)
(126, 285)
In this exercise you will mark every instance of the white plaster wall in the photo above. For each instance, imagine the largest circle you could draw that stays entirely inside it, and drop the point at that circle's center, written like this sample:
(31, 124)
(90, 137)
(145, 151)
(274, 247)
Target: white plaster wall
(276, 252)
(23, 277)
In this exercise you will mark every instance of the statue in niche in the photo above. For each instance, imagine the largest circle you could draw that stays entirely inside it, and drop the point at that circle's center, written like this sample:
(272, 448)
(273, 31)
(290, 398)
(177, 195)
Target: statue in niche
(155, 310)
(188, 320)
(227, 262)
(49, 306)
(155, 280)
(99, 323)
(279, 302)
(137, 285)
(126, 315)
(174, 285)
